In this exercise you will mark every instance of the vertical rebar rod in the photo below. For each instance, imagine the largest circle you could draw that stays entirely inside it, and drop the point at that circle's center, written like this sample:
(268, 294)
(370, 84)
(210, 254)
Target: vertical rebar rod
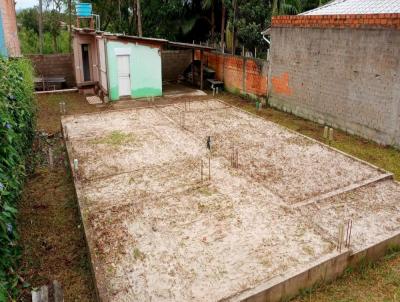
(237, 158)
(350, 226)
(66, 133)
(201, 170)
(209, 167)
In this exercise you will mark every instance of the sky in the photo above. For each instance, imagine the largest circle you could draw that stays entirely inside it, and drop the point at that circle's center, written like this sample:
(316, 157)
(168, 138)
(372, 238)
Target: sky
(25, 3)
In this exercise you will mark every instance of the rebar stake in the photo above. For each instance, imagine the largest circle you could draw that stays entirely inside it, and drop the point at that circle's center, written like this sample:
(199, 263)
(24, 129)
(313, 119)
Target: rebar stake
(201, 170)
(209, 167)
(340, 237)
(66, 133)
(348, 233)
(237, 158)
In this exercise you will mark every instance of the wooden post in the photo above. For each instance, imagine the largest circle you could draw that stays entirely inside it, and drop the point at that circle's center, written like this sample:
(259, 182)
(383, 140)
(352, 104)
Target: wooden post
(201, 70)
(51, 158)
(58, 292)
(325, 132)
(193, 82)
(330, 134)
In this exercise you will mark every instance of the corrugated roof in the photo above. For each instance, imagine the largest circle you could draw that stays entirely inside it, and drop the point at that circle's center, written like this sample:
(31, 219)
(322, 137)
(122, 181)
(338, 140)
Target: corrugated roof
(341, 7)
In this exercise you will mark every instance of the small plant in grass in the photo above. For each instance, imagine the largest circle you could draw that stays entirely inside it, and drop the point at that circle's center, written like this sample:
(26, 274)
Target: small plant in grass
(137, 254)
(115, 138)
(17, 123)
(392, 251)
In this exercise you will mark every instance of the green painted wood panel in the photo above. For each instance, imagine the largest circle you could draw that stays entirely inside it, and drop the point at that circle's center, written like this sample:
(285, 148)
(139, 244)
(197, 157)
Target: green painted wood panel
(145, 69)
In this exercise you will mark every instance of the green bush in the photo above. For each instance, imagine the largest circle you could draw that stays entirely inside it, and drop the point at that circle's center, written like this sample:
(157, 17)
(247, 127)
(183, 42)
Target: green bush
(17, 118)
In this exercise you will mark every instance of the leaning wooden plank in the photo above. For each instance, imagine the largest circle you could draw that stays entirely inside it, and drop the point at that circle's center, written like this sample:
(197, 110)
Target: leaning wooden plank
(58, 292)
(40, 295)
(35, 296)
(44, 293)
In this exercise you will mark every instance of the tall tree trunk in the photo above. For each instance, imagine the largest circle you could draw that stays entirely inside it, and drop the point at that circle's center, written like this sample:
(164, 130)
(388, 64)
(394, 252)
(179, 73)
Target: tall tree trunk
(275, 10)
(223, 13)
(212, 20)
(235, 4)
(70, 25)
(139, 19)
(133, 21)
(40, 27)
(120, 16)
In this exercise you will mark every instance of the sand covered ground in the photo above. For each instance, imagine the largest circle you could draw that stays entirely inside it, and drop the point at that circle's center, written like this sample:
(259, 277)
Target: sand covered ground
(167, 220)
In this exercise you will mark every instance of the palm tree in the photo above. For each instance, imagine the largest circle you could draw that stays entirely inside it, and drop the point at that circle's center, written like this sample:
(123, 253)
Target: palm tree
(207, 4)
(294, 7)
(286, 7)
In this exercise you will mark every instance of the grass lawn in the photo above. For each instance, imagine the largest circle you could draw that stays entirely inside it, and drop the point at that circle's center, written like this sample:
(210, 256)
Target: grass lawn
(53, 241)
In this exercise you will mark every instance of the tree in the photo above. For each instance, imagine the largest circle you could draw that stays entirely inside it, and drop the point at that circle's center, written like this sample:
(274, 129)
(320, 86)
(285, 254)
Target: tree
(223, 17)
(139, 18)
(248, 18)
(210, 5)
(294, 7)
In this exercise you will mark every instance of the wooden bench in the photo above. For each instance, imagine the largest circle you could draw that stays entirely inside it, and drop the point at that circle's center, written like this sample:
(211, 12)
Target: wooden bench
(215, 85)
(49, 83)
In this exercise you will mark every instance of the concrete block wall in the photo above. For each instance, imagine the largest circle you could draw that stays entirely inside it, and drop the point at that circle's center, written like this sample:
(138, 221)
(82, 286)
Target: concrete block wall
(242, 75)
(55, 65)
(174, 63)
(342, 71)
(9, 24)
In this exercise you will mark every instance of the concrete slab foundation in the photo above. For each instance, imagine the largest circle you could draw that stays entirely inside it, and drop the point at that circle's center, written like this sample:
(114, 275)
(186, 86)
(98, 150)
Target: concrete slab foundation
(254, 218)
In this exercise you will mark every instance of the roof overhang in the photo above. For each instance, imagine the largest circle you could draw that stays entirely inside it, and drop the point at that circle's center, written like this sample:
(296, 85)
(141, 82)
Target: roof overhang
(266, 32)
(191, 46)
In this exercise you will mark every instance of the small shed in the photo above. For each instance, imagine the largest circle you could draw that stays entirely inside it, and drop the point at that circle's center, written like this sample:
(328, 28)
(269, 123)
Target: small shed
(118, 65)
(134, 66)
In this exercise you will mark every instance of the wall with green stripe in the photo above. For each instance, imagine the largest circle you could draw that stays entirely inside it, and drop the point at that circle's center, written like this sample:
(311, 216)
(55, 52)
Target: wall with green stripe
(145, 69)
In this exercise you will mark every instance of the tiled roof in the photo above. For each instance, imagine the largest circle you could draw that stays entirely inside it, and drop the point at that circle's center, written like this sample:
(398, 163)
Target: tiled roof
(340, 7)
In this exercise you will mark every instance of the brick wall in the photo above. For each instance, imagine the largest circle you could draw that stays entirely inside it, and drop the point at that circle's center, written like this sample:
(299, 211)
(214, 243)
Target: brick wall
(55, 65)
(7, 10)
(339, 73)
(174, 63)
(389, 21)
(239, 74)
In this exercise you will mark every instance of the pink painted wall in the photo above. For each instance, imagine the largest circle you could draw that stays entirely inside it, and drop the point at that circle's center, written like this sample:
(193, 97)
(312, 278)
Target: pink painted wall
(7, 8)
